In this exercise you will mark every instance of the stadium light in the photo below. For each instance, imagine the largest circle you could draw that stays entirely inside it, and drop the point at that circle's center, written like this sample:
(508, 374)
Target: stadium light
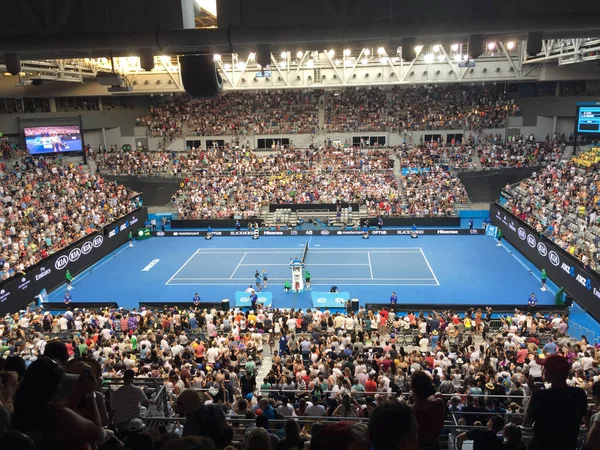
(428, 58)
(441, 58)
(384, 59)
(347, 52)
(283, 64)
(283, 55)
(491, 46)
(418, 48)
(337, 62)
(454, 47)
(457, 58)
(331, 53)
(241, 65)
(436, 48)
(216, 57)
(251, 56)
(381, 51)
(227, 66)
(510, 45)
(299, 54)
(364, 61)
(310, 63)
(366, 51)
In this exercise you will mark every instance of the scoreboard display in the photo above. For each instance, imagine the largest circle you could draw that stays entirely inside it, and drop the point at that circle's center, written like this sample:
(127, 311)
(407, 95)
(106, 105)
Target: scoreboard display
(588, 119)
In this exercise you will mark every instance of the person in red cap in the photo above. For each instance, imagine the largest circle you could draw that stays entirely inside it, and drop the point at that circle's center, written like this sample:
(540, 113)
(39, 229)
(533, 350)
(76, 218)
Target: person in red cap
(556, 413)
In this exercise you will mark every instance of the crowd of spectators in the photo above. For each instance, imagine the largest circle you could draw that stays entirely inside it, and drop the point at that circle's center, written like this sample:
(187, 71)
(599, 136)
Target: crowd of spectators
(237, 182)
(203, 365)
(519, 151)
(349, 110)
(417, 108)
(561, 201)
(239, 113)
(46, 205)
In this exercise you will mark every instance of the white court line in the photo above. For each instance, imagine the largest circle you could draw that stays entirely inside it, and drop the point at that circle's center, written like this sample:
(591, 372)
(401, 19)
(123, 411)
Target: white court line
(184, 264)
(237, 250)
(430, 269)
(328, 284)
(370, 267)
(306, 264)
(238, 266)
(318, 252)
(281, 279)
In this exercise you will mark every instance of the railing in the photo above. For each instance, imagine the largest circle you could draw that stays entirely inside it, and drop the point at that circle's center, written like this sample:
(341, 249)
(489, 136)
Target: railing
(448, 438)
(576, 330)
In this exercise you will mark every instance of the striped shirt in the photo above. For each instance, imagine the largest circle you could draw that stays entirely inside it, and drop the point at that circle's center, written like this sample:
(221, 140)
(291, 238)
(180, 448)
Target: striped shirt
(126, 403)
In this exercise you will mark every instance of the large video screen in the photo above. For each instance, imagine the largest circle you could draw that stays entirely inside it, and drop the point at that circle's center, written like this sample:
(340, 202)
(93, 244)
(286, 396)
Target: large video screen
(588, 118)
(53, 139)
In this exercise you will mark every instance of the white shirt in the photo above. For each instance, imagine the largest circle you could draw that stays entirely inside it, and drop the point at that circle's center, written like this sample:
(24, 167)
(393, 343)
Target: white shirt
(212, 354)
(314, 411)
(286, 410)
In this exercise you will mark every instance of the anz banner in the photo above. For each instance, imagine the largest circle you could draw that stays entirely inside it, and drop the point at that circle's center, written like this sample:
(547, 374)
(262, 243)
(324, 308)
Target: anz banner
(422, 231)
(562, 268)
(48, 274)
(242, 299)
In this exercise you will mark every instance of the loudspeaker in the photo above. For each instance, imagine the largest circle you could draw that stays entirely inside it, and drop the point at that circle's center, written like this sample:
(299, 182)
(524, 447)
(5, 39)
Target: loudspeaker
(146, 59)
(13, 63)
(408, 49)
(534, 43)
(225, 305)
(475, 45)
(263, 55)
(200, 76)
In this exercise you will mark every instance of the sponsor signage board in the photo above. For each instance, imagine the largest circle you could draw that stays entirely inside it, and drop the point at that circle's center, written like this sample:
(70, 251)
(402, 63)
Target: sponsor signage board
(562, 268)
(423, 231)
(18, 292)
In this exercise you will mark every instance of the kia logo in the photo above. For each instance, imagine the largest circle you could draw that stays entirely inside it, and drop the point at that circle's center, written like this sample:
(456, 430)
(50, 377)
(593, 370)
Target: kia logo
(322, 300)
(97, 242)
(61, 262)
(553, 257)
(86, 248)
(325, 232)
(340, 300)
(531, 241)
(522, 234)
(159, 233)
(175, 233)
(542, 250)
(74, 255)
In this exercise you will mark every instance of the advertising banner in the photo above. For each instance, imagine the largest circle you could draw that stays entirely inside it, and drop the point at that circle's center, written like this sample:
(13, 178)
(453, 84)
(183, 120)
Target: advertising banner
(48, 274)
(562, 268)
(491, 230)
(409, 170)
(242, 299)
(330, 299)
(423, 231)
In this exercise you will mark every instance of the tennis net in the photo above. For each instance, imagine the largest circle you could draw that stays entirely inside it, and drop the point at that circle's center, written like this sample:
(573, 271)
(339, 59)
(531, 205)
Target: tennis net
(305, 252)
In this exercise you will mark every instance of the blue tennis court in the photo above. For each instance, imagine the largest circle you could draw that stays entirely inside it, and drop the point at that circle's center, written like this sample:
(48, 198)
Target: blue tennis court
(361, 267)
(430, 269)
